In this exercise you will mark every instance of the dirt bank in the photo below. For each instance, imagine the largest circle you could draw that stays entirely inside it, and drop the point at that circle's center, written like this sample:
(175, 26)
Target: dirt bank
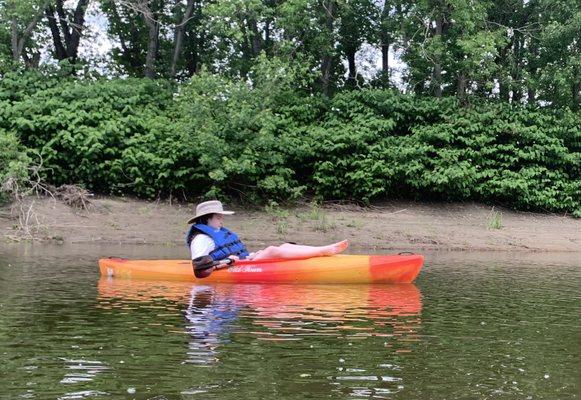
(393, 226)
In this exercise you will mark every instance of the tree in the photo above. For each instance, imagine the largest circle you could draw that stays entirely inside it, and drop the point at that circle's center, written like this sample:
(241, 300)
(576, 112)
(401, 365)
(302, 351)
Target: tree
(157, 37)
(243, 30)
(358, 22)
(559, 54)
(179, 32)
(310, 35)
(451, 49)
(23, 17)
(136, 23)
(328, 47)
(66, 27)
(391, 31)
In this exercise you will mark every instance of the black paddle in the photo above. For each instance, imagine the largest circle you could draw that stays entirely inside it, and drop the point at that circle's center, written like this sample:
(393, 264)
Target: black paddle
(204, 266)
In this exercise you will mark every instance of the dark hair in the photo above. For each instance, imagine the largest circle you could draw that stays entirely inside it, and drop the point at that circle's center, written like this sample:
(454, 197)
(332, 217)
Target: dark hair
(203, 219)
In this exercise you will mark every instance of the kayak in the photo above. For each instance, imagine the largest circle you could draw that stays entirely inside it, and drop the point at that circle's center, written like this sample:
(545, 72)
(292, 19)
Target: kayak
(329, 269)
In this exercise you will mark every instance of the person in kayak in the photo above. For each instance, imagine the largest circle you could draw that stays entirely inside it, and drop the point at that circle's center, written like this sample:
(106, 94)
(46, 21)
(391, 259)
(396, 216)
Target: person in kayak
(208, 237)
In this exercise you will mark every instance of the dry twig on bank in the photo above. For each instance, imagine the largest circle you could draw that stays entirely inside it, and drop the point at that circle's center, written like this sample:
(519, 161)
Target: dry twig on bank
(74, 196)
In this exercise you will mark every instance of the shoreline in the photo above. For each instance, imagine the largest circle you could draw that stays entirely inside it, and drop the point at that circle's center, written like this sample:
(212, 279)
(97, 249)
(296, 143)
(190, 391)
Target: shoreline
(400, 226)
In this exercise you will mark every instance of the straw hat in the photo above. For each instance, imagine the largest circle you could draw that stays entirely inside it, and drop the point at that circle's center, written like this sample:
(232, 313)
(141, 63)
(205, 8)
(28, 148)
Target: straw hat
(209, 207)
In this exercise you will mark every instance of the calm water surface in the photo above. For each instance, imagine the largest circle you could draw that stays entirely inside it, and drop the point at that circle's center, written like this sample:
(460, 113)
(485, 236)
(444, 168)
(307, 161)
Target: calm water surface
(473, 326)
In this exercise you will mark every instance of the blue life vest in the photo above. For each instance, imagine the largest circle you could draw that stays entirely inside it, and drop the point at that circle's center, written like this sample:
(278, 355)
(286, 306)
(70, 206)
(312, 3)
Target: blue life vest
(227, 242)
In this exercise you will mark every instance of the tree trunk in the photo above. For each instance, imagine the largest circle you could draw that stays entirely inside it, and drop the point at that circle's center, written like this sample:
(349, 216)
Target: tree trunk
(502, 77)
(531, 95)
(461, 88)
(18, 43)
(437, 80)
(437, 74)
(14, 41)
(516, 72)
(31, 61)
(326, 74)
(532, 67)
(504, 87)
(77, 30)
(59, 49)
(179, 37)
(196, 38)
(192, 63)
(385, 58)
(246, 48)
(352, 78)
(267, 34)
(577, 90)
(327, 61)
(256, 42)
(385, 40)
(152, 42)
(66, 45)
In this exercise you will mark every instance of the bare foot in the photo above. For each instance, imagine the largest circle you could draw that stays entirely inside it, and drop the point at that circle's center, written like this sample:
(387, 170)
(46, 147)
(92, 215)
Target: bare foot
(338, 247)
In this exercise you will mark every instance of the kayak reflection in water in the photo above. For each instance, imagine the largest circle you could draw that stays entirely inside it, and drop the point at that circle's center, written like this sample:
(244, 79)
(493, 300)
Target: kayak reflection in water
(207, 322)
(207, 237)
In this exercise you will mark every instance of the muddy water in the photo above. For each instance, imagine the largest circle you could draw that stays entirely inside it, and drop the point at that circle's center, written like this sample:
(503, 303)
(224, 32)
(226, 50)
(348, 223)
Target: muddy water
(473, 326)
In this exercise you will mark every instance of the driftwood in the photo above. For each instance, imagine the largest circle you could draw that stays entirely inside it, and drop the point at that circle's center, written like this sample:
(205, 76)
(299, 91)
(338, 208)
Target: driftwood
(74, 196)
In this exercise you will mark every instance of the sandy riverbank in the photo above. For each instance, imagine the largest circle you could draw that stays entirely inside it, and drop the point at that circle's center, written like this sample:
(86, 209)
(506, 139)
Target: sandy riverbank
(393, 226)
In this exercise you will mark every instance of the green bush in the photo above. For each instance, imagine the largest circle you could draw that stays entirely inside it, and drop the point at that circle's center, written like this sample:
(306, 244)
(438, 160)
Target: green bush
(14, 165)
(241, 139)
(263, 139)
(374, 144)
(80, 129)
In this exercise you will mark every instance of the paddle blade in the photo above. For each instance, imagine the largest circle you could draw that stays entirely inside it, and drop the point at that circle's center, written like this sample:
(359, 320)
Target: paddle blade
(203, 273)
(203, 266)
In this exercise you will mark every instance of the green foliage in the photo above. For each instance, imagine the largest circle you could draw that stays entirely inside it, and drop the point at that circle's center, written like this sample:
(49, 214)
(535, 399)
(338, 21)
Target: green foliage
(237, 137)
(19, 23)
(377, 146)
(275, 211)
(14, 165)
(82, 130)
(518, 51)
(19, 84)
(271, 141)
(559, 78)
(5, 50)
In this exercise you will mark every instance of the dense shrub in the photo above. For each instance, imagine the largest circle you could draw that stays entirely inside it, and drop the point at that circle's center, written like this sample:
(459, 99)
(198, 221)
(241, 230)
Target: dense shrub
(81, 129)
(14, 164)
(376, 144)
(218, 137)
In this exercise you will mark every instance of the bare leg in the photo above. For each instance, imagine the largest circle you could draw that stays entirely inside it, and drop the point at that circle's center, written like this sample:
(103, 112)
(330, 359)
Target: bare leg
(288, 250)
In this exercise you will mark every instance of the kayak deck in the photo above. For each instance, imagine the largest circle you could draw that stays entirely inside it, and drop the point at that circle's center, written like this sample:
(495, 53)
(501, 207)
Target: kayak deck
(329, 269)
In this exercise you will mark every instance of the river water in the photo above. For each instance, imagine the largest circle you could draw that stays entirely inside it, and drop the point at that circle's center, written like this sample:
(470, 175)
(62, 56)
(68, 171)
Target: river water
(473, 326)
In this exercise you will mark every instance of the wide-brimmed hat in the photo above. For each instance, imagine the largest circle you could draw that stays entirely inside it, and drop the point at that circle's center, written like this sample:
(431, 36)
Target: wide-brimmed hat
(209, 207)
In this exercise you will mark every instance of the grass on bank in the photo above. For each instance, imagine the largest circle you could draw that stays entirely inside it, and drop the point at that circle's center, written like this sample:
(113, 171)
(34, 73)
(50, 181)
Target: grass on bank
(494, 220)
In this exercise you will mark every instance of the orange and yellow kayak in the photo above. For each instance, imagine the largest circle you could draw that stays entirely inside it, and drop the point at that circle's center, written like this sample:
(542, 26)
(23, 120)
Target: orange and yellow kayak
(330, 269)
